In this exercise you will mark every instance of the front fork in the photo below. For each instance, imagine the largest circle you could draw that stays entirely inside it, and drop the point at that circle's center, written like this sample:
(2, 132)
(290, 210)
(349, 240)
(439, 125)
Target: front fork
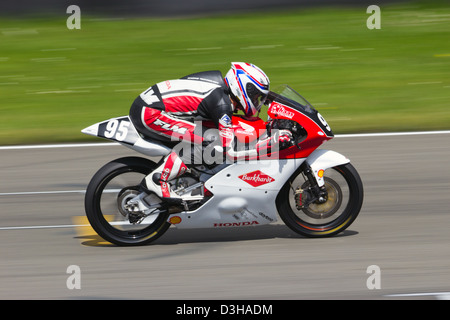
(314, 169)
(313, 193)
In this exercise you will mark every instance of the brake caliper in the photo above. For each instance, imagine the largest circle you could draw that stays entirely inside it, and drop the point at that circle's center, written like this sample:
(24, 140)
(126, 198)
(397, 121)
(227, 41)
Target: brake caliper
(302, 198)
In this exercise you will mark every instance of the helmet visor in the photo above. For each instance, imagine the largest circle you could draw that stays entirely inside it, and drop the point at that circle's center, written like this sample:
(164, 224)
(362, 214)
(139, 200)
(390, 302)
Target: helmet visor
(257, 97)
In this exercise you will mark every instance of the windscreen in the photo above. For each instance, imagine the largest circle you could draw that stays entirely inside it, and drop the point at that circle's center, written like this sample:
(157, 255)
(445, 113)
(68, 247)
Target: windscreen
(290, 94)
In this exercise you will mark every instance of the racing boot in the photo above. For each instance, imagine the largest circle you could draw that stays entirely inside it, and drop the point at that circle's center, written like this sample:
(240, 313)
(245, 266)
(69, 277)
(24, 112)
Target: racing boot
(156, 182)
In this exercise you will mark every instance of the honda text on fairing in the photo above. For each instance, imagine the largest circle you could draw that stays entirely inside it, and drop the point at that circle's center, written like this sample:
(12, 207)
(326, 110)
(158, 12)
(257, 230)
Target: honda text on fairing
(316, 192)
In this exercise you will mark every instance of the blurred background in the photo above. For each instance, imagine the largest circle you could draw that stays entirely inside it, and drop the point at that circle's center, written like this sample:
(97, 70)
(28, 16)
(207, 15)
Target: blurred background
(54, 80)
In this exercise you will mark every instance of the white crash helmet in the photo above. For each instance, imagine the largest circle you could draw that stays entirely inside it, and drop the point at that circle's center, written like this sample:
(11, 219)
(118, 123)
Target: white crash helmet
(249, 85)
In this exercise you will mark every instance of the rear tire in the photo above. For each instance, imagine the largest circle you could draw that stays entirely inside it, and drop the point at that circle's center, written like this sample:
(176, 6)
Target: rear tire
(346, 194)
(107, 219)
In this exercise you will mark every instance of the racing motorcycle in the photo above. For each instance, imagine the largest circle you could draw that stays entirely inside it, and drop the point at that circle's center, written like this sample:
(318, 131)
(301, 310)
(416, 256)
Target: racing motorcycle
(315, 192)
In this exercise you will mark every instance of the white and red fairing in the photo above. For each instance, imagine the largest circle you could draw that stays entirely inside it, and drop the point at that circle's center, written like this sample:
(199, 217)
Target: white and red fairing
(316, 135)
(248, 130)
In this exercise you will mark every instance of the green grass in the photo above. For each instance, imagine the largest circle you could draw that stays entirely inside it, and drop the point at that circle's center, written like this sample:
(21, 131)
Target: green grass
(55, 81)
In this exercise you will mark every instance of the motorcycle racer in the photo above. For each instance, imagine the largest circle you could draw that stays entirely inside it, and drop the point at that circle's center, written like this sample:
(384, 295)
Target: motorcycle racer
(168, 111)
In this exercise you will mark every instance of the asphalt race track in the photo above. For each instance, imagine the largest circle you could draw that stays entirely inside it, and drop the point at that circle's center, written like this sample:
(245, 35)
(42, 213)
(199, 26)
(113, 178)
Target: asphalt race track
(403, 230)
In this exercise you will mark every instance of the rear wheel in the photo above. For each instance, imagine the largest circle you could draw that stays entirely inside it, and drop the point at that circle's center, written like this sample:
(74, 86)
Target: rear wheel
(105, 203)
(328, 217)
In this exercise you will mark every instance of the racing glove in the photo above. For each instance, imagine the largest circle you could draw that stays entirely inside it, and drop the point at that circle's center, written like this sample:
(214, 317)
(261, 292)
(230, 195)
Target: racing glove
(281, 139)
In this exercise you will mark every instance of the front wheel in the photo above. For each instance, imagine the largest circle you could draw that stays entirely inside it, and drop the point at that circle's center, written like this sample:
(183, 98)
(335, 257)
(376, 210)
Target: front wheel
(342, 204)
(106, 195)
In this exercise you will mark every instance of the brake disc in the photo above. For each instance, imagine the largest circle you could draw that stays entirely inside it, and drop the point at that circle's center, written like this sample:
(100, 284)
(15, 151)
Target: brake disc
(126, 195)
(322, 210)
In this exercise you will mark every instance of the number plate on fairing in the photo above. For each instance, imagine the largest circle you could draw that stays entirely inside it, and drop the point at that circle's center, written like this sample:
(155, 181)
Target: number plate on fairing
(119, 129)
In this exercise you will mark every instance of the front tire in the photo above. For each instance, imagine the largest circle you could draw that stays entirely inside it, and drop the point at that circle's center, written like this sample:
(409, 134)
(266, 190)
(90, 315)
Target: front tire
(344, 202)
(104, 195)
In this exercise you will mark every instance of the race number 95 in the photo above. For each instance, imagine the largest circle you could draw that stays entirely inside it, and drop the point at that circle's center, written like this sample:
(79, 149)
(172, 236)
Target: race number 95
(116, 129)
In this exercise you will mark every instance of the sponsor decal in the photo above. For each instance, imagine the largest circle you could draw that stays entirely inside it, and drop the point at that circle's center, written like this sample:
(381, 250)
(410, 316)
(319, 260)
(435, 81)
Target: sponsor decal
(167, 126)
(265, 216)
(225, 120)
(247, 129)
(256, 178)
(281, 111)
(165, 189)
(165, 174)
(235, 224)
(175, 220)
(320, 173)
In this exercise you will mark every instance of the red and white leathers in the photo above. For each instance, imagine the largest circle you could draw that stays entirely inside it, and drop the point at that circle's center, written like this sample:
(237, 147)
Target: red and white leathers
(167, 111)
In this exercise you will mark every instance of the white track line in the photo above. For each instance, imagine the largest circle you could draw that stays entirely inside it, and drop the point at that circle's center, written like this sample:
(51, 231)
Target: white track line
(391, 134)
(55, 146)
(28, 193)
(45, 227)
(49, 192)
(40, 192)
(111, 144)
(438, 295)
